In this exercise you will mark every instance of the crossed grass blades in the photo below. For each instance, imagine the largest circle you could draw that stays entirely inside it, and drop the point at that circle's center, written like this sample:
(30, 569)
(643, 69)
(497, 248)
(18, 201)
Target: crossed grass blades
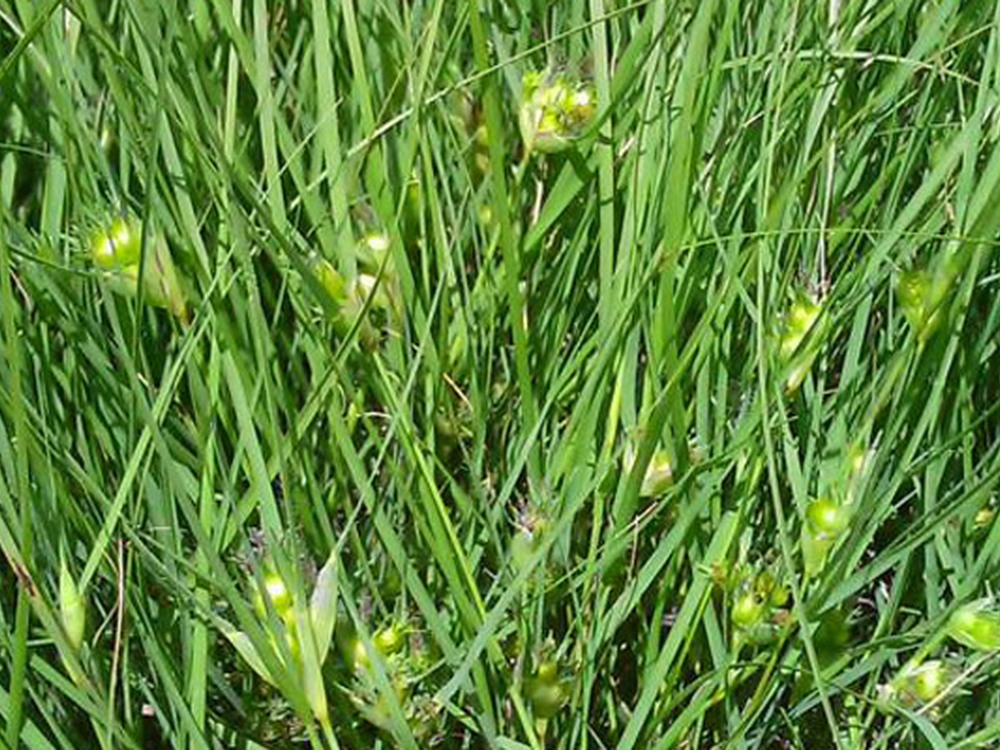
(499, 374)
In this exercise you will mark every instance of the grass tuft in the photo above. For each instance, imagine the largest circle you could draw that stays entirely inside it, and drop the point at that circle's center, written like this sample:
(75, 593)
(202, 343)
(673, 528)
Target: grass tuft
(507, 375)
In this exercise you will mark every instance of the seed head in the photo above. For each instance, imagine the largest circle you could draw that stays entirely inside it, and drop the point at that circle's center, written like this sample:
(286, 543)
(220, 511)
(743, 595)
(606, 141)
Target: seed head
(919, 684)
(976, 625)
(826, 518)
(72, 608)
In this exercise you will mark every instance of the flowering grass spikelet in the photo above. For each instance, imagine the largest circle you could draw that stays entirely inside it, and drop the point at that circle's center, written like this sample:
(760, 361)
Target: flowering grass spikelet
(300, 640)
(748, 610)
(659, 474)
(277, 593)
(72, 607)
(920, 298)
(917, 685)
(758, 606)
(546, 690)
(976, 625)
(795, 353)
(554, 111)
(825, 522)
(117, 251)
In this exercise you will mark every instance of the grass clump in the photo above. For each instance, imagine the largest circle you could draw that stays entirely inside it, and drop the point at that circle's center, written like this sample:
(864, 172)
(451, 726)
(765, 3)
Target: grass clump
(499, 374)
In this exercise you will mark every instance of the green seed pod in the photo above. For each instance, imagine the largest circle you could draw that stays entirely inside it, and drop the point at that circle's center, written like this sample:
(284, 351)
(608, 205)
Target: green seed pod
(548, 671)
(802, 315)
(814, 551)
(331, 280)
(546, 691)
(102, 250)
(763, 584)
(481, 137)
(278, 594)
(579, 108)
(377, 243)
(118, 246)
(127, 239)
(976, 625)
(779, 596)
(546, 699)
(917, 299)
(531, 528)
(827, 519)
(390, 639)
(659, 475)
(922, 683)
(117, 251)
(356, 655)
(769, 590)
(531, 82)
(762, 634)
(799, 321)
(983, 519)
(748, 610)
(554, 111)
(547, 137)
(72, 607)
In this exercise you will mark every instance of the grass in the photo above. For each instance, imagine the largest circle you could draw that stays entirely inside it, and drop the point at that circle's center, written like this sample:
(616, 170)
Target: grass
(447, 461)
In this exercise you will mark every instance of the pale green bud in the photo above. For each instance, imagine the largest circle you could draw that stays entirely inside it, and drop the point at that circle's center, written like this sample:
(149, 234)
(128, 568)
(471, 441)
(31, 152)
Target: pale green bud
(918, 684)
(546, 691)
(390, 639)
(117, 251)
(801, 317)
(748, 610)
(799, 321)
(277, 593)
(659, 473)
(331, 280)
(554, 111)
(976, 625)
(827, 519)
(117, 246)
(72, 608)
